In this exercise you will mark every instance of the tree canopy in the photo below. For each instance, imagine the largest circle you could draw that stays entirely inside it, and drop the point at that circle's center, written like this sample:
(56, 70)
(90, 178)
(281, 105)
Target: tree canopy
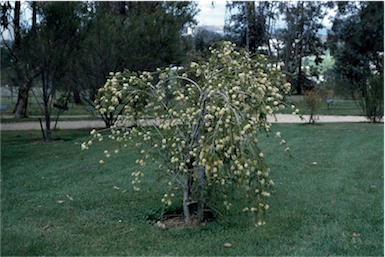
(357, 41)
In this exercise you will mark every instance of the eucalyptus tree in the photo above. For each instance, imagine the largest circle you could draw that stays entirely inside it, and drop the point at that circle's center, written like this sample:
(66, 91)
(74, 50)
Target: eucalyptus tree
(300, 37)
(250, 24)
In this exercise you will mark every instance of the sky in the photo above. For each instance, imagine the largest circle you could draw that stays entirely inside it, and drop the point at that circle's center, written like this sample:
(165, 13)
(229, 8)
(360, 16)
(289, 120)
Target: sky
(211, 15)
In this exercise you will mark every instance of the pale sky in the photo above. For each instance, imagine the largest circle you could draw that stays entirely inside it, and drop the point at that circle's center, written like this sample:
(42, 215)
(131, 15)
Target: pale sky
(211, 15)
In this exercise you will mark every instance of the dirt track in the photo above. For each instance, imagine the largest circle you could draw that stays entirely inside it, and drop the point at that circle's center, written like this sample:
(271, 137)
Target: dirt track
(88, 124)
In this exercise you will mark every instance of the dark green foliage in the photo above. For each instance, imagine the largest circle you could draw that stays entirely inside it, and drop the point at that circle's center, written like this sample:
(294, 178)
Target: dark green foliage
(131, 35)
(72, 46)
(203, 39)
(357, 43)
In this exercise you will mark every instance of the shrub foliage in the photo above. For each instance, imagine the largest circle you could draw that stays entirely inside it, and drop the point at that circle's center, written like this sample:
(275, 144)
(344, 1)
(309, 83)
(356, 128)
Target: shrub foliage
(202, 124)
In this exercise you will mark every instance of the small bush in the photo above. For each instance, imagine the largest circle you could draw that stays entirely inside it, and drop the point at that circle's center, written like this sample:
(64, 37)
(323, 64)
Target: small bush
(371, 98)
(313, 100)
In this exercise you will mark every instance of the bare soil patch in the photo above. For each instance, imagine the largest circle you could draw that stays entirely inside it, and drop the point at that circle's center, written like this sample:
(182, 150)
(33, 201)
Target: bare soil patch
(175, 220)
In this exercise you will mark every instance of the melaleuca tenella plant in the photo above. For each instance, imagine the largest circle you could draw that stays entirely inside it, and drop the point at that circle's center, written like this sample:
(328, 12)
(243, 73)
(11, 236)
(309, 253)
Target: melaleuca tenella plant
(202, 124)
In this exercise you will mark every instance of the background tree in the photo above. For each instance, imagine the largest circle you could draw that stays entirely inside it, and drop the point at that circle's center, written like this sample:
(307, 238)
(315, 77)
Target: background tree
(20, 51)
(300, 37)
(109, 36)
(250, 24)
(56, 51)
(356, 41)
(254, 24)
(133, 35)
(203, 39)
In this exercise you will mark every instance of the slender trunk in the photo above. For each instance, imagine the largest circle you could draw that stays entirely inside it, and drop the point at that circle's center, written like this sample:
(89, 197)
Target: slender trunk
(47, 116)
(34, 15)
(251, 36)
(299, 78)
(186, 200)
(300, 48)
(201, 195)
(16, 25)
(77, 98)
(46, 103)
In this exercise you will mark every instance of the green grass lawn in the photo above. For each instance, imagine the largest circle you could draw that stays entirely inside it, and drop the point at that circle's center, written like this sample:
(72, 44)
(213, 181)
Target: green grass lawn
(338, 107)
(328, 200)
(34, 109)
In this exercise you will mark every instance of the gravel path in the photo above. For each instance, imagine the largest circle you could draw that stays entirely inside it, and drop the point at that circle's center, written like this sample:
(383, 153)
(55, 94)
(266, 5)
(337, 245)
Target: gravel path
(90, 124)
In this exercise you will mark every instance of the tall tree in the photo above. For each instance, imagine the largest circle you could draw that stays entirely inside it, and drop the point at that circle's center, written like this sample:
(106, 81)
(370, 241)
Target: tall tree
(58, 41)
(300, 36)
(254, 26)
(250, 24)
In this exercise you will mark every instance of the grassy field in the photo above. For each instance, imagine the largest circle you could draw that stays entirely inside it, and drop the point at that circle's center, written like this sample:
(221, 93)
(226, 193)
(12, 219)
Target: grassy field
(338, 107)
(34, 109)
(328, 200)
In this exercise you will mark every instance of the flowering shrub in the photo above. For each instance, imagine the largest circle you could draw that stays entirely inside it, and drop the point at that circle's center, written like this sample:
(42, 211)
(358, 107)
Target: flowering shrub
(203, 125)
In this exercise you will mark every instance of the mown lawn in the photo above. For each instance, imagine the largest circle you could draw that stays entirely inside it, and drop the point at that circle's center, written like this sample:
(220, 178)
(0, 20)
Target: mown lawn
(338, 107)
(328, 200)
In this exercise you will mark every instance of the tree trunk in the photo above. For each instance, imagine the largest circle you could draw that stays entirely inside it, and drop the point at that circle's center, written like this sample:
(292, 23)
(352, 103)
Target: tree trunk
(76, 95)
(47, 93)
(251, 37)
(16, 25)
(187, 186)
(299, 47)
(47, 116)
(299, 77)
(20, 110)
(34, 15)
(186, 200)
(201, 195)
